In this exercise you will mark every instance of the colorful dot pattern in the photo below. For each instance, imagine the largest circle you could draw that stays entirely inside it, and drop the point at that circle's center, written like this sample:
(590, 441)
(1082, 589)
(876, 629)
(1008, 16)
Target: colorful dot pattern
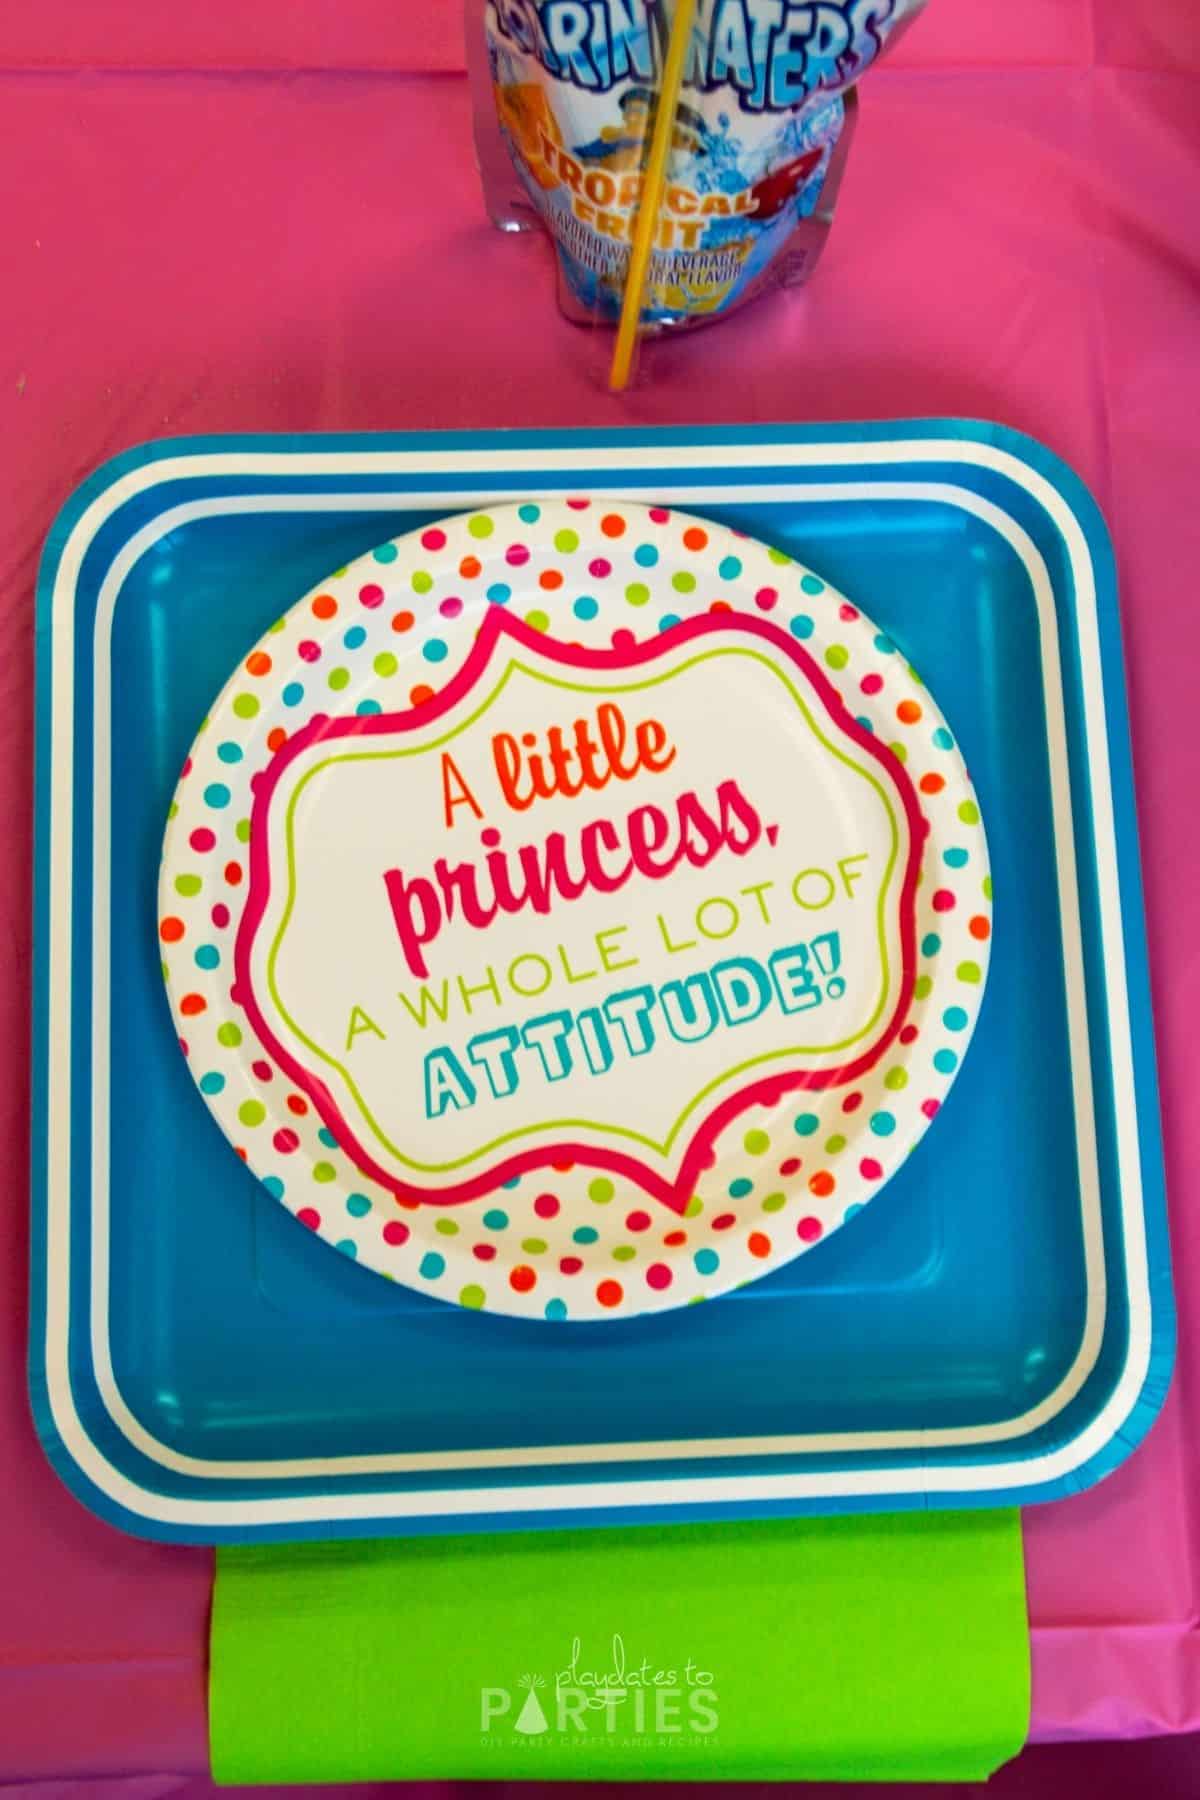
(567, 1243)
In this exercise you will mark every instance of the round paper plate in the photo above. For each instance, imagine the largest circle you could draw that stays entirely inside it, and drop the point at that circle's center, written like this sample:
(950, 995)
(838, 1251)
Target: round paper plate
(574, 909)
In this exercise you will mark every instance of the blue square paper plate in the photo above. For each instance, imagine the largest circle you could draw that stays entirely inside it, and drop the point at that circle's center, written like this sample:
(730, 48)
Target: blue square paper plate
(997, 1328)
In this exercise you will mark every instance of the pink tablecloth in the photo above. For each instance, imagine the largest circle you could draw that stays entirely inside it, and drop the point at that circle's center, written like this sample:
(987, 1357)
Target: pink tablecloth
(225, 218)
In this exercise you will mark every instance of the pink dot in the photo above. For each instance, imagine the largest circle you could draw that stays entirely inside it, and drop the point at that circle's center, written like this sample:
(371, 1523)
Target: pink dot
(943, 901)
(516, 554)
(659, 514)
(723, 1221)
(600, 567)
(869, 1169)
(202, 839)
(871, 684)
(433, 539)
(909, 1035)
(309, 651)
(847, 612)
(638, 1221)
(570, 1265)
(183, 1046)
(623, 640)
(263, 1070)
(579, 505)
(450, 607)
(484, 1252)
(186, 770)
(931, 1108)
(852, 1102)
(395, 1232)
(309, 1216)
(658, 1276)
(286, 1141)
(371, 594)
(789, 1165)
(220, 915)
(546, 1206)
(766, 598)
(809, 1229)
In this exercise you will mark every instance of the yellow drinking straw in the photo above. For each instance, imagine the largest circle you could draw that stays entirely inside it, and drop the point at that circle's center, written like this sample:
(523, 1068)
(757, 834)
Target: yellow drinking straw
(650, 203)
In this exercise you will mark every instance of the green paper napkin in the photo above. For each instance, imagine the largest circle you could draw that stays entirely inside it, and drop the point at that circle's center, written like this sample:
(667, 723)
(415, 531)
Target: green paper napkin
(857, 1648)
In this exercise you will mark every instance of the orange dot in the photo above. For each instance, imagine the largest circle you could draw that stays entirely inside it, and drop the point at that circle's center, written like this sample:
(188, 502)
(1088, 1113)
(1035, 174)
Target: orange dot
(550, 578)
(610, 1293)
(675, 1237)
(276, 739)
(233, 874)
(821, 1184)
(980, 927)
(908, 712)
(171, 930)
(694, 538)
(469, 567)
(296, 1104)
(191, 1004)
(758, 1244)
(562, 1168)
(720, 606)
(258, 663)
(522, 1278)
(241, 1152)
(324, 606)
(420, 694)
(402, 621)
(932, 784)
(612, 525)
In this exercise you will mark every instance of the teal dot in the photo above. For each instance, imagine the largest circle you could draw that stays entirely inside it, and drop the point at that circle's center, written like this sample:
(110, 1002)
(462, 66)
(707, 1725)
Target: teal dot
(811, 584)
(954, 1018)
(354, 637)
(367, 708)
(348, 1247)
(667, 620)
(432, 1265)
(556, 1309)
(293, 693)
(706, 1261)
(273, 1186)
(942, 739)
(801, 626)
(496, 1219)
(884, 644)
(386, 553)
(515, 1182)
(208, 957)
(945, 1061)
(434, 650)
(357, 1205)
(230, 753)
(499, 593)
(740, 1188)
(931, 943)
(584, 1234)
(216, 795)
(529, 513)
(212, 1083)
(882, 1124)
(864, 722)
(327, 1138)
(851, 1212)
(729, 568)
(807, 1123)
(645, 556)
(954, 858)
(585, 607)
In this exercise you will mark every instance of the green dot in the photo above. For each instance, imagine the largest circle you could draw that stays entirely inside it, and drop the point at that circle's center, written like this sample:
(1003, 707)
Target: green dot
(922, 986)
(339, 678)
(280, 623)
(481, 527)
(987, 887)
(895, 1079)
(914, 676)
(778, 556)
(694, 1207)
(246, 705)
(173, 809)
(229, 1035)
(968, 812)
(533, 1246)
(537, 620)
(323, 1171)
(252, 1112)
(969, 972)
(624, 1253)
(756, 1142)
(899, 751)
(683, 582)
(188, 884)
(385, 663)
(447, 1227)
(835, 1143)
(472, 1296)
(422, 581)
(600, 1190)
(773, 1202)
(837, 656)
(637, 593)
(242, 831)
(566, 541)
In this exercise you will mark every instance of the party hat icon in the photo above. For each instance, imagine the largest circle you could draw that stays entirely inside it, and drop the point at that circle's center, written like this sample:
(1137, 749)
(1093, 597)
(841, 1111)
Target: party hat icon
(531, 1720)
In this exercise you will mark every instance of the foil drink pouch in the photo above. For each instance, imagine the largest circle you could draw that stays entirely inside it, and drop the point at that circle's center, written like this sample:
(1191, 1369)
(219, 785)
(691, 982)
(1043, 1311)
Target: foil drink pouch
(565, 93)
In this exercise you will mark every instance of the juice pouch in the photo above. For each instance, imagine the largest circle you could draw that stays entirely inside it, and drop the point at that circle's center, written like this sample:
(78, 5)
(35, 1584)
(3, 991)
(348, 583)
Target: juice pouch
(565, 93)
